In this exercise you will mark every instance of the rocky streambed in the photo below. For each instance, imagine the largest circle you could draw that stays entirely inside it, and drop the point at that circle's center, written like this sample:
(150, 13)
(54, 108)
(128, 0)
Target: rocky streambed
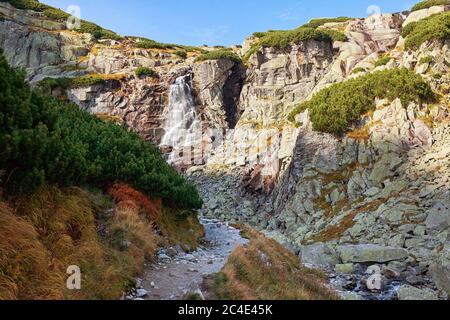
(177, 274)
(372, 272)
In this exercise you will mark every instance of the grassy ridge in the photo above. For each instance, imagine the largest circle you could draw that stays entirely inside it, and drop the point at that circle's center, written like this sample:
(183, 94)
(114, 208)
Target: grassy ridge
(59, 15)
(283, 38)
(219, 54)
(265, 270)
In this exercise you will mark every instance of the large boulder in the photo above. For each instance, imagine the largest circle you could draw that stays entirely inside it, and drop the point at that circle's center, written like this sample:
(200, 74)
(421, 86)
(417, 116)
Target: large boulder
(438, 218)
(319, 254)
(440, 270)
(371, 253)
(407, 292)
(418, 15)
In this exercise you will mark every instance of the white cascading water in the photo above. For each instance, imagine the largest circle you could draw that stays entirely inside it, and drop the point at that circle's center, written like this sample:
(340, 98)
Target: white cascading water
(182, 129)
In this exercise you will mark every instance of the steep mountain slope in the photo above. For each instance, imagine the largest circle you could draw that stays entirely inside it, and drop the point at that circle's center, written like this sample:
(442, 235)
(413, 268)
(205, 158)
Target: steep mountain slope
(377, 186)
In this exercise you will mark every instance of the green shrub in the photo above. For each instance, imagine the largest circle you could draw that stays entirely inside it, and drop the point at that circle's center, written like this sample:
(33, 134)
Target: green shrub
(152, 44)
(27, 4)
(428, 4)
(406, 31)
(219, 54)
(382, 61)
(146, 72)
(427, 59)
(435, 27)
(336, 108)
(181, 53)
(335, 35)
(315, 23)
(44, 140)
(48, 84)
(97, 31)
(190, 48)
(358, 70)
(282, 39)
(87, 80)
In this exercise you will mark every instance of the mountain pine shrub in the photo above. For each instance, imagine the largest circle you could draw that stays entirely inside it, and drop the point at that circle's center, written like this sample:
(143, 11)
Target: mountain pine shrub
(44, 140)
(336, 108)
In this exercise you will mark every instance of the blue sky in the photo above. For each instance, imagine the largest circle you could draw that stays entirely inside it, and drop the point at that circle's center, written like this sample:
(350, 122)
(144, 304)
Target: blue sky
(216, 22)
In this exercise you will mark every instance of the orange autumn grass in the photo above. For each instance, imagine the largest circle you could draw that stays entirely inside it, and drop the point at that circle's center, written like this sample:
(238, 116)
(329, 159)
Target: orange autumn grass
(127, 197)
(265, 270)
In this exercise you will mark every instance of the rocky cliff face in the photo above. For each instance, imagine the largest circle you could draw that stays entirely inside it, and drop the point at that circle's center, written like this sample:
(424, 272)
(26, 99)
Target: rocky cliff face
(46, 49)
(383, 189)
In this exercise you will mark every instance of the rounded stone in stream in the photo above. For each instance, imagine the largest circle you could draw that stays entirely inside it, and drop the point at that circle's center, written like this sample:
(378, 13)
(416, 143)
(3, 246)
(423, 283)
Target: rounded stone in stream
(140, 293)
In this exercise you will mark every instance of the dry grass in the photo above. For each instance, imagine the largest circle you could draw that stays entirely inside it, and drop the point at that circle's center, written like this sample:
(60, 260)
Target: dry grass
(362, 133)
(428, 120)
(113, 76)
(109, 118)
(265, 270)
(53, 229)
(25, 264)
(134, 234)
(180, 228)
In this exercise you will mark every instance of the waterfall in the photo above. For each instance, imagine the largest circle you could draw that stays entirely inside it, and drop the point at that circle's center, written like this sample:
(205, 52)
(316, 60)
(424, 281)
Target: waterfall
(183, 129)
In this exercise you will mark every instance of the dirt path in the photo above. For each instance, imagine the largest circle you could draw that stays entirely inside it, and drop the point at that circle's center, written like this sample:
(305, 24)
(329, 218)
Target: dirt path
(170, 278)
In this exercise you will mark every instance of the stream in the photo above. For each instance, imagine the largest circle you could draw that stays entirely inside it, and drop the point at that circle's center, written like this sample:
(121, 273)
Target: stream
(177, 272)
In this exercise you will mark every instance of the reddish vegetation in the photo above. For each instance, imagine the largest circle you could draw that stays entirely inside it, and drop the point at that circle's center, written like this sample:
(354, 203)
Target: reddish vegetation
(127, 197)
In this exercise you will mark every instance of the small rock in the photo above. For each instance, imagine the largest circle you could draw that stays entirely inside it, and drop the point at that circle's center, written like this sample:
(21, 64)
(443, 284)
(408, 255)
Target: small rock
(351, 296)
(391, 273)
(397, 266)
(162, 257)
(141, 293)
(414, 280)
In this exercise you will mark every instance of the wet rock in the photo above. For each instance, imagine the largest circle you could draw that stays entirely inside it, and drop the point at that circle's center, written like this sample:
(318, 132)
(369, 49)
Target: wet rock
(164, 258)
(351, 296)
(190, 258)
(414, 280)
(140, 293)
(371, 253)
(391, 273)
(171, 252)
